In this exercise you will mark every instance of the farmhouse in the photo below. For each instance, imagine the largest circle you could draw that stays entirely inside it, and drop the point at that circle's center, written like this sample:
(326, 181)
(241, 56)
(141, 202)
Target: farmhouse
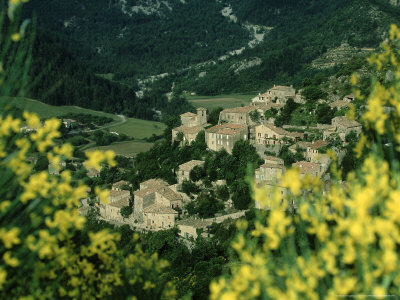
(184, 169)
(272, 135)
(225, 136)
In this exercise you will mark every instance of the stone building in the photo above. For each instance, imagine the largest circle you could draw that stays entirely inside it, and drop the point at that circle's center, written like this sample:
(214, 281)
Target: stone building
(271, 170)
(313, 150)
(237, 115)
(189, 134)
(225, 136)
(190, 119)
(278, 94)
(118, 186)
(112, 210)
(190, 228)
(306, 167)
(184, 170)
(271, 135)
(157, 216)
(192, 124)
(343, 126)
(155, 191)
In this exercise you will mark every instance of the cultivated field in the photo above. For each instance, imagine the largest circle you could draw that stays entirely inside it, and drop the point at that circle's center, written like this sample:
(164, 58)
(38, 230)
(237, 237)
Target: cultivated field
(129, 148)
(225, 101)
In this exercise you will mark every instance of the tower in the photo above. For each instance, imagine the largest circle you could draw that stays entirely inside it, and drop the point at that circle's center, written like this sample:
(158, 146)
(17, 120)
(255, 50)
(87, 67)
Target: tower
(201, 116)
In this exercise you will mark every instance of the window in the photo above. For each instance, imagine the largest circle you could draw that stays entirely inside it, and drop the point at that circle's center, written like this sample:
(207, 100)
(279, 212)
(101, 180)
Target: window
(259, 134)
(227, 143)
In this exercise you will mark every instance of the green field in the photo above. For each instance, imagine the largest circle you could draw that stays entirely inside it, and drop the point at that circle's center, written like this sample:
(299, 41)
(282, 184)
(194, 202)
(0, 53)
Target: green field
(48, 111)
(130, 148)
(139, 129)
(225, 101)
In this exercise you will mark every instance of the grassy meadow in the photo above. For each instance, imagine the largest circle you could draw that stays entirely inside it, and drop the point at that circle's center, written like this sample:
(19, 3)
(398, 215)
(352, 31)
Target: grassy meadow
(129, 148)
(139, 129)
(225, 101)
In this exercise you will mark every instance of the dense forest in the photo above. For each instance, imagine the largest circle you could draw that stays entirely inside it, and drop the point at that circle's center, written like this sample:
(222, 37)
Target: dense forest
(134, 39)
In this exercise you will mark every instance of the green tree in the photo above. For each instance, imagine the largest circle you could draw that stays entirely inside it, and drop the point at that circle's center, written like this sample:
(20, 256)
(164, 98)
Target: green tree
(126, 211)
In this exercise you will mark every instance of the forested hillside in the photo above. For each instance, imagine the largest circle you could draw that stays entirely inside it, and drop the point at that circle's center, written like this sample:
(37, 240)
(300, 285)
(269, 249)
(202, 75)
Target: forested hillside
(206, 46)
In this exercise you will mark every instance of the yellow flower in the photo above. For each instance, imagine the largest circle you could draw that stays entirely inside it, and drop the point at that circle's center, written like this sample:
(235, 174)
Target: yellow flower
(291, 180)
(10, 237)
(104, 195)
(12, 262)
(16, 37)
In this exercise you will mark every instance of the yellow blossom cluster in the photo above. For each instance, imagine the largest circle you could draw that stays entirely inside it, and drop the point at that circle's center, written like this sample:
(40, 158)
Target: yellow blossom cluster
(339, 243)
(43, 249)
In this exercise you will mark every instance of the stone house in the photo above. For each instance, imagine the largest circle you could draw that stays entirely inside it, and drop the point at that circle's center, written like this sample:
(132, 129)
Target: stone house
(189, 133)
(117, 186)
(306, 167)
(268, 134)
(116, 196)
(225, 136)
(271, 170)
(157, 216)
(343, 126)
(184, 170)
(192, 124)
(112, 210)
(155, 191)
(312, 151)
(189, 228)
(338, 104)
(278, 94)
(237, 115)
(190, 119)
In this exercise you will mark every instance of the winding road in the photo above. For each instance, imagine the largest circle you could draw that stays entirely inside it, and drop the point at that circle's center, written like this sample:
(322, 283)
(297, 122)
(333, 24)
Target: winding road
(123, 120)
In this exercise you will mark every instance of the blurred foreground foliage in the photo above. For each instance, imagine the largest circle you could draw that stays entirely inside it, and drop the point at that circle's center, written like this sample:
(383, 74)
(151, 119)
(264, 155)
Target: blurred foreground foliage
(46, 252)
(340, 243)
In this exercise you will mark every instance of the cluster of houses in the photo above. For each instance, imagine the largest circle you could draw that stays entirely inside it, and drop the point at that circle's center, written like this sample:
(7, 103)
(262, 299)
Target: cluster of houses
(237, 124)
(157, 204)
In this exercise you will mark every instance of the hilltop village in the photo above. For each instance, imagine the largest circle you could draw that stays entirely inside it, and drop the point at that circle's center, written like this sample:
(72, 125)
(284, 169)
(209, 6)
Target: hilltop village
(158, 205)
